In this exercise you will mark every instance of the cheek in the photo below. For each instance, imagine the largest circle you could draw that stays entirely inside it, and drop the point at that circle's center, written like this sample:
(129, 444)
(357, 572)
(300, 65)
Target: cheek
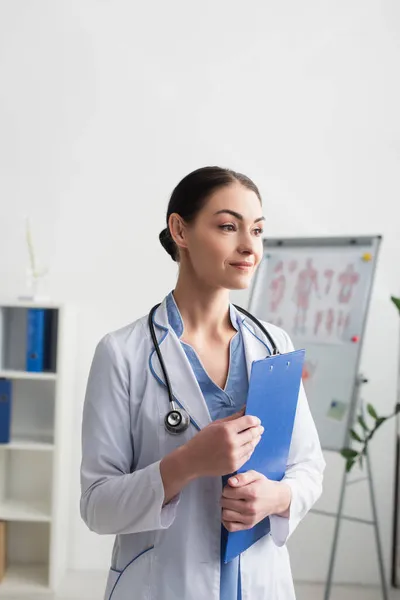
(259, 252)
(212, 248)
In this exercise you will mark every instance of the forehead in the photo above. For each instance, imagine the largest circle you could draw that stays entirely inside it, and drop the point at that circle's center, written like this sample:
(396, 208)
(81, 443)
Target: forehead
(234, 197)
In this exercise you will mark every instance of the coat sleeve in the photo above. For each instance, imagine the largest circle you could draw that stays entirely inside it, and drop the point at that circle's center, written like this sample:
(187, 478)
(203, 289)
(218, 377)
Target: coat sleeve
(114, 499)
(304, 472)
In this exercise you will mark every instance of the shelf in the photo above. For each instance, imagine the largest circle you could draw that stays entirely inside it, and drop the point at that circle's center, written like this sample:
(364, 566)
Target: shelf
(34, 465)
(25, 303)
(9, 374)
(25, 580)
(12, 510)
(34, 445)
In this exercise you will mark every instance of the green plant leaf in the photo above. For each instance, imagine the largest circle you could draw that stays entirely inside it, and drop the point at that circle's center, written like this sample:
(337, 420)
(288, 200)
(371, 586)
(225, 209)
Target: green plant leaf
(348, 453)
(396, 302)
(372, 411)
(351, 455)
(355, 435)
(363, 423)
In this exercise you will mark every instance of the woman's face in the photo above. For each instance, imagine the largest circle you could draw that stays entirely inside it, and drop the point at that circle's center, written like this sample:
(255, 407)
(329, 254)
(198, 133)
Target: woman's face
(224, 243)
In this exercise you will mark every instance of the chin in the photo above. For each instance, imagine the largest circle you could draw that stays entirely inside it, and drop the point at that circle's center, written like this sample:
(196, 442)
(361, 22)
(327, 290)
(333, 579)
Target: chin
(240, 284)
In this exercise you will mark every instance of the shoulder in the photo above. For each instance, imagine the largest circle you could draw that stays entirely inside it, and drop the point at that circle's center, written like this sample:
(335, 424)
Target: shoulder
(120, 342)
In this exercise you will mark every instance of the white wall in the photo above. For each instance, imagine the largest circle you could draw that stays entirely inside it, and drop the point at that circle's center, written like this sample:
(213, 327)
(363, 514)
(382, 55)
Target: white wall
(105, 105)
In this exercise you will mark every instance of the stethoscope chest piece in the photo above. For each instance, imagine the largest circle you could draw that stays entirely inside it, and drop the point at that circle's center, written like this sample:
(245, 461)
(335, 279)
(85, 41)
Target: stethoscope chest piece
(176, 421)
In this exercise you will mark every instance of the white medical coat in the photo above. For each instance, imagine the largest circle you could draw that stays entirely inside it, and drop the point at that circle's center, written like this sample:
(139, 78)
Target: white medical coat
(173, 552)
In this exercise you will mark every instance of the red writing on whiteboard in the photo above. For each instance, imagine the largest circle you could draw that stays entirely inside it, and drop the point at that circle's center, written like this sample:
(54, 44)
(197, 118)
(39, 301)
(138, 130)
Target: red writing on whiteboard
(347, 280)
(277, 287)
(307, 281)
(328, 274)
(330, 319)
(318, 321)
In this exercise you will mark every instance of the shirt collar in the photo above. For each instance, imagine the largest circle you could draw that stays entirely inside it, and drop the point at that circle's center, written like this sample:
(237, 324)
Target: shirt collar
(175, 318)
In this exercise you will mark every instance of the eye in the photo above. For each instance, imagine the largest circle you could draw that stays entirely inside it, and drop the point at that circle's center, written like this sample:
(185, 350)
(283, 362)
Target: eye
(258, 231)
(228, 227)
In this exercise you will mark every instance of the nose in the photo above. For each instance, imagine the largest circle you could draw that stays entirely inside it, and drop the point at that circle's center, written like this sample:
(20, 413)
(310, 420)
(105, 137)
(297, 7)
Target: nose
(247, 244)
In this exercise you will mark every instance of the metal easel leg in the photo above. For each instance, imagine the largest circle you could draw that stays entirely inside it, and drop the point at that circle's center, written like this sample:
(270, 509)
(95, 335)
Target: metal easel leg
(376, 528)
(335, 538)
(356, 399)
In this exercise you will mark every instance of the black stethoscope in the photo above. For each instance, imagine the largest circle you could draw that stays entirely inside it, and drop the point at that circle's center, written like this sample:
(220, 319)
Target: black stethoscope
(177, 419)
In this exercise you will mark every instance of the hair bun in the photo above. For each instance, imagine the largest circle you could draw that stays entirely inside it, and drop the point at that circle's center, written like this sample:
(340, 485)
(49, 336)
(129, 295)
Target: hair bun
(168, 243)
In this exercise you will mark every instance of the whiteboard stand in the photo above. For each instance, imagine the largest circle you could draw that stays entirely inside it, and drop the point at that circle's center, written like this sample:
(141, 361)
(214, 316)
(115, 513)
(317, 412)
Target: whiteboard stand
(395, 533)
(339, 515)
(304, 285)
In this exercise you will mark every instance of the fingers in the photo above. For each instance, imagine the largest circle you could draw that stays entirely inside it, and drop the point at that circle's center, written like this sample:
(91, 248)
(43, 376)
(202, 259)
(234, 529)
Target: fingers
(233, 516)
(245, 422)
(242, 479)
(239, 506)
(233, 417)
(239, 494)
(231, 526)
(236, 521)
(244, 489)
(248, 435)
(247, 450)
(239, 513)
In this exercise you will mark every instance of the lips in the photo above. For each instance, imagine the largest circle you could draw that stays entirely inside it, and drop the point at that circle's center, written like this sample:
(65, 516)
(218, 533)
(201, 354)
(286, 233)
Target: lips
(242, 265)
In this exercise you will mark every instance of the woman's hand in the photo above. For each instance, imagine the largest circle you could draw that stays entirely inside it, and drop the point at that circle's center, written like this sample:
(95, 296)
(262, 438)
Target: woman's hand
(250, 497)
(219, 449)
(224, 445)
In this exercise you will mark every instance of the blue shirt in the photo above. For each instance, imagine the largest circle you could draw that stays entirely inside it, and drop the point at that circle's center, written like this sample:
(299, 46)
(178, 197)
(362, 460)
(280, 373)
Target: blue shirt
(221, 403)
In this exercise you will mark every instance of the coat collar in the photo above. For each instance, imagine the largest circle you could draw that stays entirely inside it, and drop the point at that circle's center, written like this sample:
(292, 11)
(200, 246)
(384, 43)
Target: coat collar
(185, 388)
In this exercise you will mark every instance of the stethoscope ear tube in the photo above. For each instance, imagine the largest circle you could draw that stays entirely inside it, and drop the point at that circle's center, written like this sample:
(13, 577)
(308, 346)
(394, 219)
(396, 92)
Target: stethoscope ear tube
(158, 351)
(176, 420)
(274, 347)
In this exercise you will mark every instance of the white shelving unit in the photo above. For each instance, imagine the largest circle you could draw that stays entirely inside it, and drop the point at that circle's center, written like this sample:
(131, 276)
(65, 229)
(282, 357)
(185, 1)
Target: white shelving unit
(34, 466)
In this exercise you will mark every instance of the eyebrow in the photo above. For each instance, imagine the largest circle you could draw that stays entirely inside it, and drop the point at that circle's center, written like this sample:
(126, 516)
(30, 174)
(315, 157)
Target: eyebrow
(236, 215)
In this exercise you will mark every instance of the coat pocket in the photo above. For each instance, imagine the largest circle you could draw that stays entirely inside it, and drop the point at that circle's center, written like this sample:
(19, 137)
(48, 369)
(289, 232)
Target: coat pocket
(132, 581)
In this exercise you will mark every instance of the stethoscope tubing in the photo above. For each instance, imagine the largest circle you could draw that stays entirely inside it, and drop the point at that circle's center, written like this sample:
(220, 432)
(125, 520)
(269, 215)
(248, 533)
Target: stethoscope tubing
(161, 360)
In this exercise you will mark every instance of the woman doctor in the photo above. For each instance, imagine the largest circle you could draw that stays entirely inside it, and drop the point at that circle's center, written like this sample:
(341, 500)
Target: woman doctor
(165, 496)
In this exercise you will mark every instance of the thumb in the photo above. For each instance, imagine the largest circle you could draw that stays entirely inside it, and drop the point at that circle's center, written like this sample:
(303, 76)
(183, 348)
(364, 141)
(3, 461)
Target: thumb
(233, 417)
(241, 479)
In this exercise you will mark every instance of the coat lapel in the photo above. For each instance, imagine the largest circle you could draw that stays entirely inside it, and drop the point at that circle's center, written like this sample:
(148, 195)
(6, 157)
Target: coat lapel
(255, 348)
(184, 385)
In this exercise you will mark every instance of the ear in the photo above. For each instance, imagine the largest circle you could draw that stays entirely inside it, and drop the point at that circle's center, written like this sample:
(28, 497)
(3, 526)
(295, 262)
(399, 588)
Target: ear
(177, 228)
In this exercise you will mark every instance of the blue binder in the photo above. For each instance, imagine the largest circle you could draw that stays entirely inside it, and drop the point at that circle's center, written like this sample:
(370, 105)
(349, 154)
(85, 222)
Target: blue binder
(272, 397)
(40, 343)
(35, 339)
(5, 410)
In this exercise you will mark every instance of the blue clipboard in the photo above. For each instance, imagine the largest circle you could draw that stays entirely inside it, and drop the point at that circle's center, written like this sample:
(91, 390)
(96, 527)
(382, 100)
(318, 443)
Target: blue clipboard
(272, 397)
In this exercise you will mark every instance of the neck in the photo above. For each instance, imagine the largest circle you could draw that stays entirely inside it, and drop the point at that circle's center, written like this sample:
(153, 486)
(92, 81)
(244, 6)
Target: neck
(204, 310)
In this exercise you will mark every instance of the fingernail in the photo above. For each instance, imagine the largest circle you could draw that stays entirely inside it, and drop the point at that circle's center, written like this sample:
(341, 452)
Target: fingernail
(234, 480)
(262, 429)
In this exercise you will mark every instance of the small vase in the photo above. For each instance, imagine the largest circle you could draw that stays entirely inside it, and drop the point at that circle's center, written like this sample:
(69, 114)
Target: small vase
(34, 285)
